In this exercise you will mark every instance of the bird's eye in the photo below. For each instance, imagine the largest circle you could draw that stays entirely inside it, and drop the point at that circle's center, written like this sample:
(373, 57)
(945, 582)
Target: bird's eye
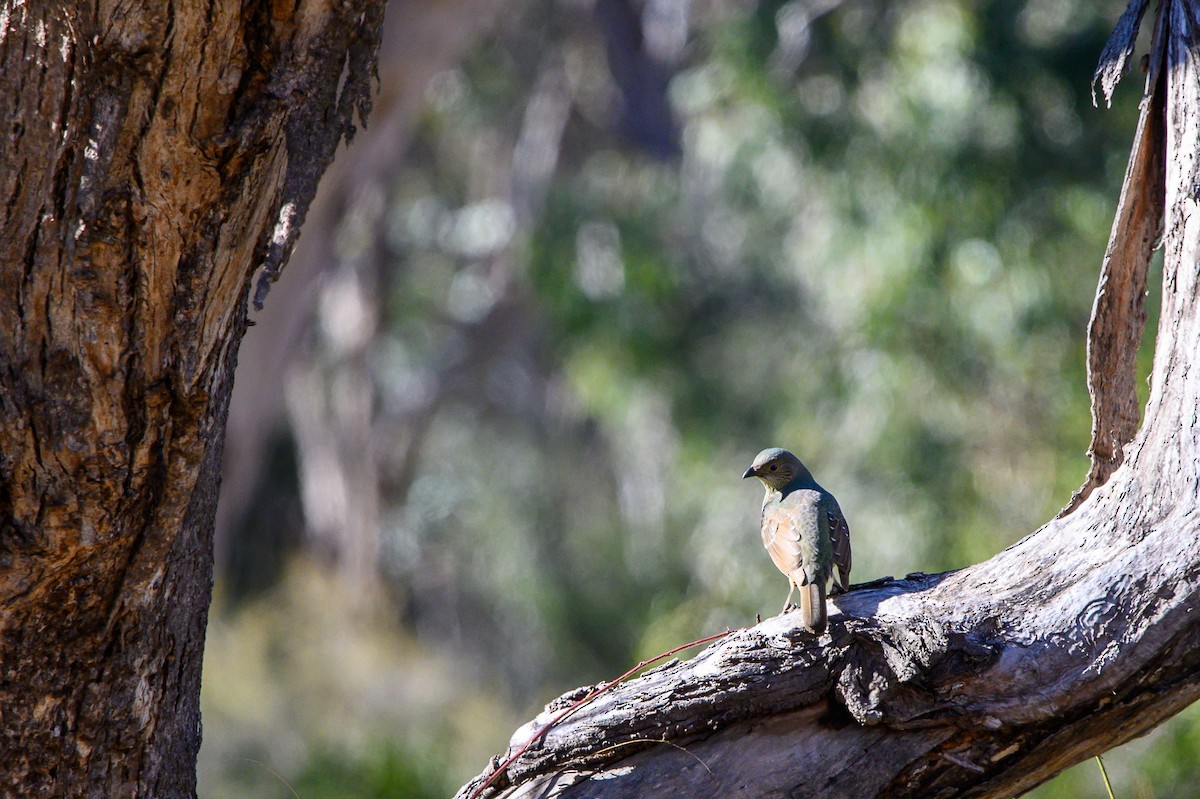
(774, 466)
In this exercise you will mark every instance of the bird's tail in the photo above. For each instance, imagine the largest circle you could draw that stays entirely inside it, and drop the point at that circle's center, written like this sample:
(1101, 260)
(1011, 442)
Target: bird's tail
(812, 606)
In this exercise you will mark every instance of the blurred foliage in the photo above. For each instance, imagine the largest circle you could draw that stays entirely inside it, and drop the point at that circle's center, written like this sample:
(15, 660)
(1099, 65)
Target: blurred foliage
(311, 687)
(875, 243)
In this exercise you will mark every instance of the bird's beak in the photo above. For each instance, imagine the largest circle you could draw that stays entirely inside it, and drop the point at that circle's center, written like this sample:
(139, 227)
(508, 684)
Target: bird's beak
(749, 473)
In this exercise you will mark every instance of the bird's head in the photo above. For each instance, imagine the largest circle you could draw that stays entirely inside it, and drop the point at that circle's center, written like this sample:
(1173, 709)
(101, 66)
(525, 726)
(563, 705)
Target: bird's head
(776, 468)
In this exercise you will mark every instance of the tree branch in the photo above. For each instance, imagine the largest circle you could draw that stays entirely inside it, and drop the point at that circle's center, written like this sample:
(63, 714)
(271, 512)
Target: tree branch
(992, 679)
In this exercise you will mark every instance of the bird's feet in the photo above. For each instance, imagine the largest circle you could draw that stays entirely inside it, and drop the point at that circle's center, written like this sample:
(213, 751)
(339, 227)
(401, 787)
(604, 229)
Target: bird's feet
(788, 607)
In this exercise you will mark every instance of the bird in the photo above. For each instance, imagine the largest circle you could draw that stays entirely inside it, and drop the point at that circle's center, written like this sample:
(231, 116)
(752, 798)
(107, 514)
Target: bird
(805, 533)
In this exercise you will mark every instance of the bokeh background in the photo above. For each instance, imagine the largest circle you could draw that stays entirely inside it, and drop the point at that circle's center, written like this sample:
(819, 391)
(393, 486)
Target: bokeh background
(588, 259)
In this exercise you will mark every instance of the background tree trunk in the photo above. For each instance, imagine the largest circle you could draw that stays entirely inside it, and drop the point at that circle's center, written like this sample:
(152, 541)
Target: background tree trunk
(989, 680)
(153, 156)
(420, 40)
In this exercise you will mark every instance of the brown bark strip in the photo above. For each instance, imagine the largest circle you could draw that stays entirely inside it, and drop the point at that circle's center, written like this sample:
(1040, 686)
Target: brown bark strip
(1119, 311)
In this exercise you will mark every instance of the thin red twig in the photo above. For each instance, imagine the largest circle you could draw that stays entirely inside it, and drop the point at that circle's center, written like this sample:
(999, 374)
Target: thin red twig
(595, 692)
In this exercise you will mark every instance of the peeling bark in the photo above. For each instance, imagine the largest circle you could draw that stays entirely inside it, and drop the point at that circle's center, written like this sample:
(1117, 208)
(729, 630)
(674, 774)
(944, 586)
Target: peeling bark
(1119, 310)
(987, 681)
(153, 155)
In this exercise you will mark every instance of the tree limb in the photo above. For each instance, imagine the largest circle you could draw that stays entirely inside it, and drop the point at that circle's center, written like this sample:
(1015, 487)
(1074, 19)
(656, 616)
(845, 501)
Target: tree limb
(982, 682)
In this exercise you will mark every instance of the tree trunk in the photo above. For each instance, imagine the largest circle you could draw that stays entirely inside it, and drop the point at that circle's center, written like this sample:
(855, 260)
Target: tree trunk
(987, 681)
(152, 156)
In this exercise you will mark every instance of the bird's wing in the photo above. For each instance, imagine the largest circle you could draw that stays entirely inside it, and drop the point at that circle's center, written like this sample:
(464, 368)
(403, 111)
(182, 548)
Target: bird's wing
(839, 536)
(781, 536)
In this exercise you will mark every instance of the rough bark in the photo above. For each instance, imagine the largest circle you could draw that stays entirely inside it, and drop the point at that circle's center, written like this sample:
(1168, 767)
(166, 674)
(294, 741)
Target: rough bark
(1119, 310)
(983, 682)
(153, 155)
